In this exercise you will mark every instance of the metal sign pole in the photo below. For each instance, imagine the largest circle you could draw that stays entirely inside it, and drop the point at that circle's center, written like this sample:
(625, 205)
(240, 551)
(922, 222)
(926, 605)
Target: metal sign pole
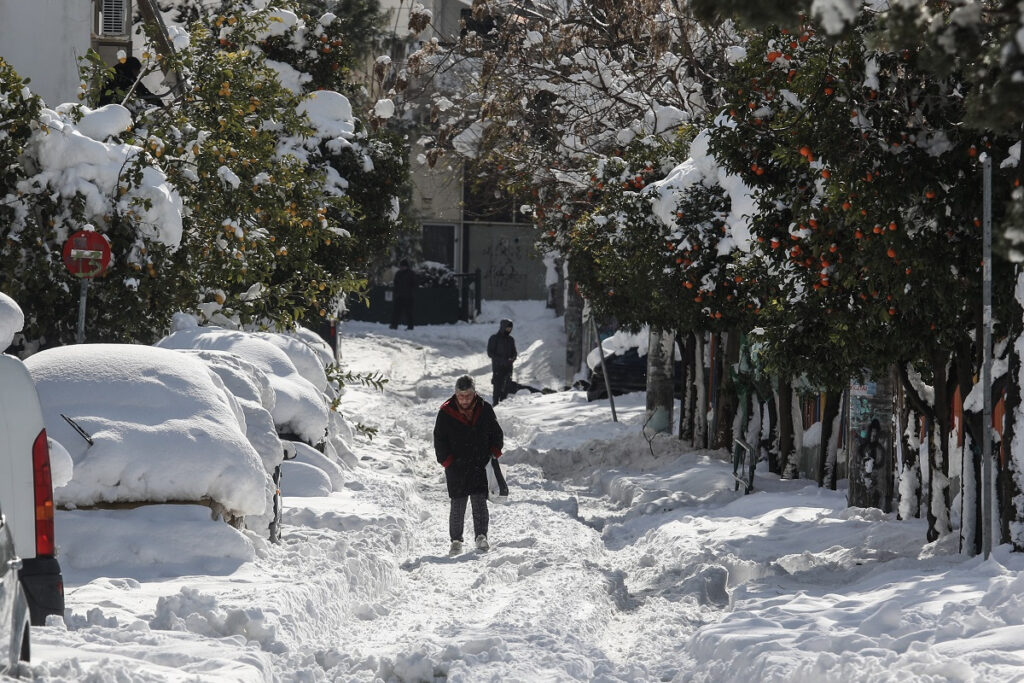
(986, 371)
(83, 292)
(604, 369)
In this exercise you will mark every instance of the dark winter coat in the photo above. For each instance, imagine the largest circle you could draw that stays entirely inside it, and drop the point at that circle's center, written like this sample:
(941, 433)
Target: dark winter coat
(464, 447)
(501, 348)
(405, 284)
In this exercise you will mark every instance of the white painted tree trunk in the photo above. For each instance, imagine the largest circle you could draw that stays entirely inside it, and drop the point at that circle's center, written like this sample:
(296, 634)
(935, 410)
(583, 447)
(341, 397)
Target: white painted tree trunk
(660, 380)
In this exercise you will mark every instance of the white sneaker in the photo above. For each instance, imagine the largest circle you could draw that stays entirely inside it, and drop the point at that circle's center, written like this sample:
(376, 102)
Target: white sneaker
(481, 543)
(455, 549)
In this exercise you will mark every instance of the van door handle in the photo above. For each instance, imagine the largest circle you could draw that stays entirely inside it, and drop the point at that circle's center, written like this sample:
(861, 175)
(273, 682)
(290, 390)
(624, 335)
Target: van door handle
(15, 564)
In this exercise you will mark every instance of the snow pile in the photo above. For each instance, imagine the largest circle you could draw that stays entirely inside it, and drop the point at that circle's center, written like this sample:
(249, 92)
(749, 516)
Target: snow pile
(12, 319)
(162, 426)
(330, 113)
(618, 344)
(157, 541)
(103, 123)
(289, 77)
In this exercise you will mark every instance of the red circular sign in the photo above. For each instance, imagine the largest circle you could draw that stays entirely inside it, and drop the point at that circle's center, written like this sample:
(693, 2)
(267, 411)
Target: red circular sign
(87, 254)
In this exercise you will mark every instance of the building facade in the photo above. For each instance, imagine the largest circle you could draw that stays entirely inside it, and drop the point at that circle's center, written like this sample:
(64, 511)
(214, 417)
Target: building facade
(463, 227)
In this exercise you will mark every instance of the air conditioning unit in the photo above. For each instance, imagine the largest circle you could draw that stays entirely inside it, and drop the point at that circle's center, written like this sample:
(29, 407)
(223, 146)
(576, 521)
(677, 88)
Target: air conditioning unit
(113, 18)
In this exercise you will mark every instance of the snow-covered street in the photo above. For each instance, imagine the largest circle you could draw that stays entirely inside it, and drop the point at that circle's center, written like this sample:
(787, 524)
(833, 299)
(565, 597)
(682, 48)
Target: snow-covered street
(615, 559)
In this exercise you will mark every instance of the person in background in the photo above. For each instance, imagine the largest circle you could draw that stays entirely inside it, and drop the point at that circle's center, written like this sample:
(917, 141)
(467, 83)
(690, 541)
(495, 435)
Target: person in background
(125, 80)
(466, 437)
(405, 293)
(501, 348)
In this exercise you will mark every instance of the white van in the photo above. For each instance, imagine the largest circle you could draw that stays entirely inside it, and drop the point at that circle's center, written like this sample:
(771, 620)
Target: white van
(26, 489)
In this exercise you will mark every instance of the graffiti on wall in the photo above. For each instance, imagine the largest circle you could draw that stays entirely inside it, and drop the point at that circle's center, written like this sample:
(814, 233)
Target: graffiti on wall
(504, 258)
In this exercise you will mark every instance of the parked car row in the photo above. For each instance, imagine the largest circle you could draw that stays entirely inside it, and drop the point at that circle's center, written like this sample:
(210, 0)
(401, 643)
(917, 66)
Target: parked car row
(207, 416)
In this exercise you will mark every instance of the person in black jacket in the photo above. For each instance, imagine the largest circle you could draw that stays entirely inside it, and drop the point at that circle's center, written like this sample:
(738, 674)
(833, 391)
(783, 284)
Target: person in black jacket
(126, 80)
(405, 291)
(466, 437)
(501, 348)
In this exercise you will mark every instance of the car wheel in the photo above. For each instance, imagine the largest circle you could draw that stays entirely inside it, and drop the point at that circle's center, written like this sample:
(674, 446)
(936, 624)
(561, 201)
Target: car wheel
(26, 648)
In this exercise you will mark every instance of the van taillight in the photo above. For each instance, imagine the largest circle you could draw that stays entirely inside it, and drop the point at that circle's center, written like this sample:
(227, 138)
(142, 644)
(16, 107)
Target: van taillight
(44, 495)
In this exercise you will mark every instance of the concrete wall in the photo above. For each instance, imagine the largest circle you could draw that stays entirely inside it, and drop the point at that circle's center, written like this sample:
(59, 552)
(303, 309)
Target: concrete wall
(42, 40)
(437, 192)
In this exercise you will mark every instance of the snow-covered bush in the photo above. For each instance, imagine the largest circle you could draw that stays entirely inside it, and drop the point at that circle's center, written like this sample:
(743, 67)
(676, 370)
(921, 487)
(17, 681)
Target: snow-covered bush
(434, 274)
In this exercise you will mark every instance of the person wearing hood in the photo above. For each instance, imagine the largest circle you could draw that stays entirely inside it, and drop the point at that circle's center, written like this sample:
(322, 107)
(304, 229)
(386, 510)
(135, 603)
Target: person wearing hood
(466, 436)
(501, 348)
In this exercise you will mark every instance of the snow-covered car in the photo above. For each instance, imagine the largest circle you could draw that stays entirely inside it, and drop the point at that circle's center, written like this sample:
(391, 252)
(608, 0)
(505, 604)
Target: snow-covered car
(26, 487)
(14, 614)
(625, 357)
(291, 369)
(145, 425)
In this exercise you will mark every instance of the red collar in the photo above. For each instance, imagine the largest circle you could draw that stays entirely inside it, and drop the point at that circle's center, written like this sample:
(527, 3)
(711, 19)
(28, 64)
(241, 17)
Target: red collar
(451, 407)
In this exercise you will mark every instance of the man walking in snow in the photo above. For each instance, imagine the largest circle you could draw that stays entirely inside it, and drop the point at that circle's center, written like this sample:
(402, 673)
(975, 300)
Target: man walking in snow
(501, 348)
(466, 437)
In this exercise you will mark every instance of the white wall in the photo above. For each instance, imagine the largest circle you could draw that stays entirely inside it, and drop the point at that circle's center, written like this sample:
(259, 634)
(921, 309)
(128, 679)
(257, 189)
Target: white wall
(42, 40)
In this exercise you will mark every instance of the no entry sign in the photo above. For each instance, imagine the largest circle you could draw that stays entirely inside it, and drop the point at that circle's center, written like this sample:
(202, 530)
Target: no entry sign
(86, 254)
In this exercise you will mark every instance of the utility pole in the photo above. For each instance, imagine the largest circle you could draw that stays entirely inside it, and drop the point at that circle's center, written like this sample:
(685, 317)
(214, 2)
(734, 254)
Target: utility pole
(986, 368)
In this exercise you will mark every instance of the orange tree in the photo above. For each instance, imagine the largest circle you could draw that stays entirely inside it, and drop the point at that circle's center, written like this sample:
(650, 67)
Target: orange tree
(869, 206)
(52, 185)
(654, 250)
(631, 263)
(289, 196)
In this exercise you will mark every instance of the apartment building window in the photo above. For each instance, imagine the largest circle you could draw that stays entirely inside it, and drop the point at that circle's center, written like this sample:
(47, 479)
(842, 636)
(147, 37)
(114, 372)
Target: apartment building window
(439, 243)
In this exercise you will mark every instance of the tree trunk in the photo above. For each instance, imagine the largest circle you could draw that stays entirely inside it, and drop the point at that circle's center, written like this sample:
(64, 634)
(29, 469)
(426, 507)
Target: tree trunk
(558, 290)
(687, 393)
(660, 380)
(938, 490)
(728, 397)
(971, 456)
(826, 469)
(908, 475)
(1006, 487)
(770, 444)
(890, 468)
(573, 333)
(700, 412)
(787, 457)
